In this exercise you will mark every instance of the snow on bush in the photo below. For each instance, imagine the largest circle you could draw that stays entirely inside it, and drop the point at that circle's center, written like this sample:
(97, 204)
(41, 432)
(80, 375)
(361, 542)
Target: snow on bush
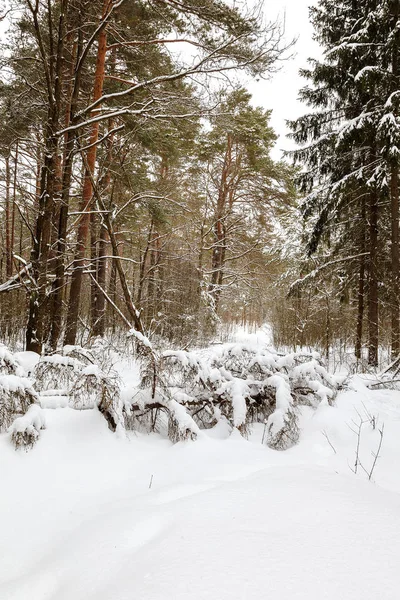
(8, 363)
(282, 426)
(181, 426)
(181, 392)
(83, 355)
(243, 383)
(25, 430)
(94, 388)
(57, 372)
(16, 396)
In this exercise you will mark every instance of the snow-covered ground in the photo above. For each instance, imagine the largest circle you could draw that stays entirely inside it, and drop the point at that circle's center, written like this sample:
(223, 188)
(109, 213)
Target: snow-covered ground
(91, 515)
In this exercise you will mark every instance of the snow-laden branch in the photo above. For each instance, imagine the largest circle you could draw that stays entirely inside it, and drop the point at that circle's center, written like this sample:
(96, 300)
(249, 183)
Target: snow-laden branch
(315, 272)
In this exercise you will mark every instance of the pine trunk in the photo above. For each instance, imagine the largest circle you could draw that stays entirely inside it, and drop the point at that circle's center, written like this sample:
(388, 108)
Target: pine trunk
(72, 94)
(219, 245)
(87, 195)
(38, 323)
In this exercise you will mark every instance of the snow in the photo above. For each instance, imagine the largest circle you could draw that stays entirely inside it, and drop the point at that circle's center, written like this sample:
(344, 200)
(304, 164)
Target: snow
(65, 361)
(8, 363)
(53, 401)
(14, 383)
(139, 336)
(33, 419)
(239, 390)
(28, 360)
(93, 370)
(90, 515)
(284, 402)
(184, 420)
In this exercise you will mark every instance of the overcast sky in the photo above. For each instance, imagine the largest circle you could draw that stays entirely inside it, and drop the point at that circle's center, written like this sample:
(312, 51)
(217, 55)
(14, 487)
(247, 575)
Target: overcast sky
(281, 93)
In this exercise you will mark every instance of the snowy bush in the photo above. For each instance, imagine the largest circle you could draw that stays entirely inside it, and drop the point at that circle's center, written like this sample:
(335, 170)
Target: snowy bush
(83, 355)
(181, 426)
(181, 392)
(243, 383)
(25, 430)
(16, 396)
(57, 372)
(93, 388)
(8, 363)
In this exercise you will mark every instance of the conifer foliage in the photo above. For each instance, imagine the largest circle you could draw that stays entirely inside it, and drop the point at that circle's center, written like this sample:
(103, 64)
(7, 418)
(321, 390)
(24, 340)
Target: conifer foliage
(350, 157)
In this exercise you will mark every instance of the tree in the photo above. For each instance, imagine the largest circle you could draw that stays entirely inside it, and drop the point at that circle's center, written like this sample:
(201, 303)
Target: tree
(244, 184)
(348, 161)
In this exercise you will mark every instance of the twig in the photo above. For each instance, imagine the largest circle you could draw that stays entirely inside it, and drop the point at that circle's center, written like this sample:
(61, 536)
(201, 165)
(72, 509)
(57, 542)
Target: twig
(265, 429)
(329, 441)
(376, 456)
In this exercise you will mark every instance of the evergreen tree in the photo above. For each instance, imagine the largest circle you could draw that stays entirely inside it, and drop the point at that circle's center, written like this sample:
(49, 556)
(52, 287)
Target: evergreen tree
(349, 144)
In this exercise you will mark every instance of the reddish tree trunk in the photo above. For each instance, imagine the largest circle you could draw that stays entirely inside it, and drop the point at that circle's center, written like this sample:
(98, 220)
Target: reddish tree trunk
(87, 194)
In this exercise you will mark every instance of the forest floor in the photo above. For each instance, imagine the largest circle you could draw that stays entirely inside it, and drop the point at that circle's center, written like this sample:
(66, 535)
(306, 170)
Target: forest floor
(89, 515)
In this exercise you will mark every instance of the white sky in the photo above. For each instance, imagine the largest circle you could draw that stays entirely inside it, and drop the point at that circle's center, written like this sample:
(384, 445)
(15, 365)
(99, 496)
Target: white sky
(281, 93)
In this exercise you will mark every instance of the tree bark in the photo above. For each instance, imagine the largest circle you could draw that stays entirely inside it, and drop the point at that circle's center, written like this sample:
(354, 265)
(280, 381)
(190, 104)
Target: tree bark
(219, 246)
(87, 193)
(67, 163)
(394, 209)
(373, 309)
(361, 284)
(36, 332)
(394, 205)
(8, 218)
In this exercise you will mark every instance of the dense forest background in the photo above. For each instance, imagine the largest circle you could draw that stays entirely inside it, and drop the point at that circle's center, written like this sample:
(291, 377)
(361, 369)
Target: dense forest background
(138, 188)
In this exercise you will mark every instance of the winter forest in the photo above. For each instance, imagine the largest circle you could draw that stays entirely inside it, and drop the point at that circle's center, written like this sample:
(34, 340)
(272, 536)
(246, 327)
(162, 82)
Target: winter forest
(199, 314)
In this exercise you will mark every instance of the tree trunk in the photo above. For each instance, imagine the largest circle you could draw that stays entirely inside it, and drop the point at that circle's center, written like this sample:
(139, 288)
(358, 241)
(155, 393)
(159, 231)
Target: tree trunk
(87, 194)
(394, 211)
(112, 292)
(394, 206)
(72, 94)
(361, 285)
(219, 245)
(36, 332)
(373, 281)
(8, 219)
(14, 202)
(98, 306)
